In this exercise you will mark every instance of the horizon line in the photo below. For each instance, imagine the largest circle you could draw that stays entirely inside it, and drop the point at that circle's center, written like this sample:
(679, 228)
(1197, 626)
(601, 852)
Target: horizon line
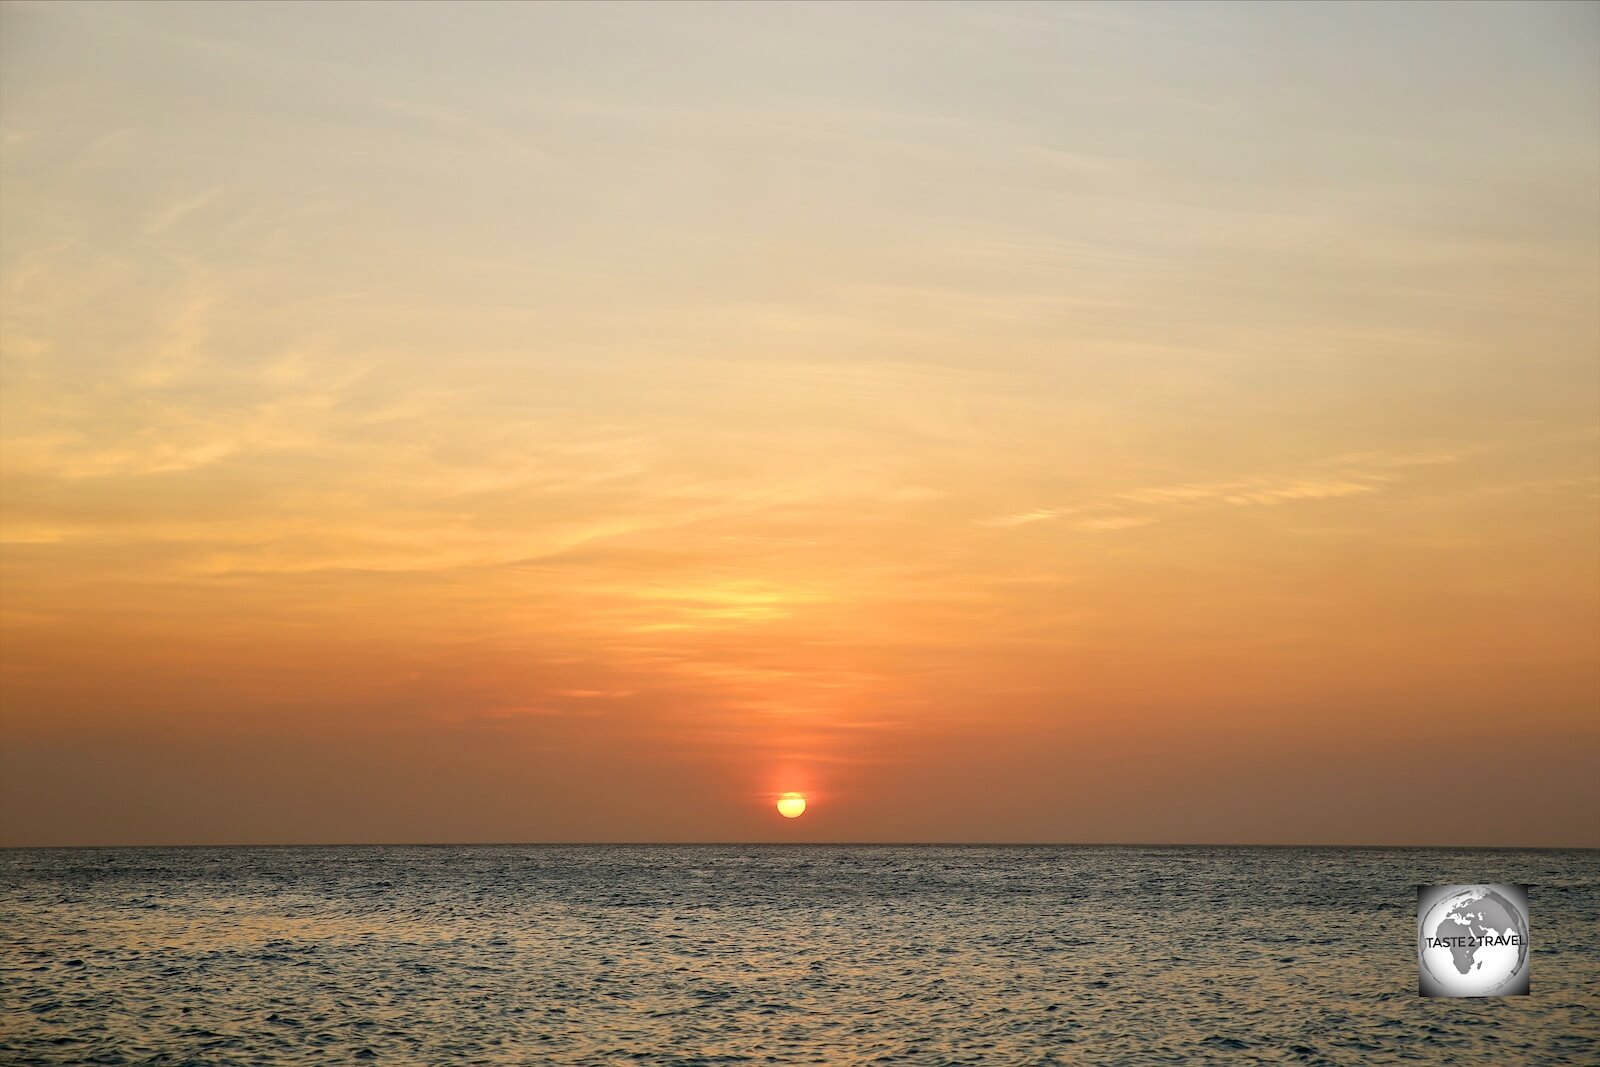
(809, 844)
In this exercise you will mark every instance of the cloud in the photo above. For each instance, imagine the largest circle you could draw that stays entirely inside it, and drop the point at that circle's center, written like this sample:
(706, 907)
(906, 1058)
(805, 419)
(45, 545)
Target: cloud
(1115, 522)
(165, 218)
(1269, 493)
(1259, 490)
(914, 494)
(1026, 517)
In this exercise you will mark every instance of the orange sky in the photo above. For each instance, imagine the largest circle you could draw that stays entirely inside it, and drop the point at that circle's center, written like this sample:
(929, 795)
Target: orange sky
(1001, 423)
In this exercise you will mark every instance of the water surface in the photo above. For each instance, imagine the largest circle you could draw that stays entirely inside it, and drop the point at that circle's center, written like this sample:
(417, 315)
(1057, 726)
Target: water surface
(770, 954)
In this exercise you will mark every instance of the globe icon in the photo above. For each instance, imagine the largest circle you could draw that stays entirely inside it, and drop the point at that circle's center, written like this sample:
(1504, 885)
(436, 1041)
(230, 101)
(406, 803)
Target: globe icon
(1473, 942)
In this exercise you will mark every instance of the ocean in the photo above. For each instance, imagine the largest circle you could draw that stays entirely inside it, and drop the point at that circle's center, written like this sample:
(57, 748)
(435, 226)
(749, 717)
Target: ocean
(771, 954)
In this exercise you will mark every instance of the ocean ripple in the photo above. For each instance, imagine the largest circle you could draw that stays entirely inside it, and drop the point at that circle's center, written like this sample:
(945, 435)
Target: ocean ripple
(701, 955)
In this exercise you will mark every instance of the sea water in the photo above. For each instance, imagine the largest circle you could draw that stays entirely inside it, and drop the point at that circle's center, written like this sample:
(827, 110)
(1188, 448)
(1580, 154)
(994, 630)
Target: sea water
(771, 955)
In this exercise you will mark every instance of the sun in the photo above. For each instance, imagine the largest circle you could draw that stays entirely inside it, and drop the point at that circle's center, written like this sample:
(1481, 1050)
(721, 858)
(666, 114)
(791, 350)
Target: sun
(792, 805)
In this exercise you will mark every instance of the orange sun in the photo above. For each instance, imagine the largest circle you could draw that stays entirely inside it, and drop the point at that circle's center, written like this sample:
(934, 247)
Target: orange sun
(792, 805)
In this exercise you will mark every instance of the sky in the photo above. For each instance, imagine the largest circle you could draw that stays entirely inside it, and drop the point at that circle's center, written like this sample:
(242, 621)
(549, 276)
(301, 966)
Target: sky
(1080, 423)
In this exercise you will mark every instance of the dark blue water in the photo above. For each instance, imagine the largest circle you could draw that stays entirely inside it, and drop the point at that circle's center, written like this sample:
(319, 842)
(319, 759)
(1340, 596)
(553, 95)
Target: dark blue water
(770, 955)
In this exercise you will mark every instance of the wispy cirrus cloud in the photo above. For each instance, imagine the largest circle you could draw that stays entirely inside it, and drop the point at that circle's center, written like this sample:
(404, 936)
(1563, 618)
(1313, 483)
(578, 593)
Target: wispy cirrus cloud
(1023, 518)
(1361, 474)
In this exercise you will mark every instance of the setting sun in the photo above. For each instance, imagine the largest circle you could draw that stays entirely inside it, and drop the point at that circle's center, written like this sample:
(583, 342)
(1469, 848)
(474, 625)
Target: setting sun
(791, 805)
